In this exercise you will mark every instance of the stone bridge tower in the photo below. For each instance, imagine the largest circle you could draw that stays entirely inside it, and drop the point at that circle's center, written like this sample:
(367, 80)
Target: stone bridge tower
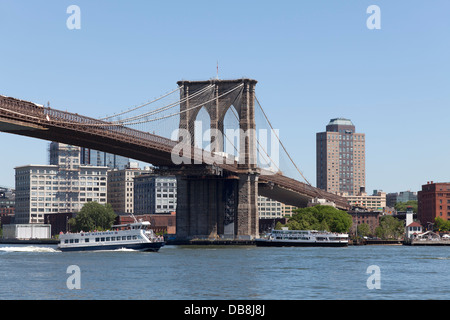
(212, 202)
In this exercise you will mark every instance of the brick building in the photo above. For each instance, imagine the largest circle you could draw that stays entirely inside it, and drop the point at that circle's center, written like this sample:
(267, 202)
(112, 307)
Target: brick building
(433, 201)
(371, 218)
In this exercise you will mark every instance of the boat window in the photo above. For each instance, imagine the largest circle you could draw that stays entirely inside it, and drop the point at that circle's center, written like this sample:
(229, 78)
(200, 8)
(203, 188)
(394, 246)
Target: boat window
(71, 240)
(66, 241)
(102, 239)
(128, 237)
(113, 238)
(77, 240)
(97, 239)
(108, 238)
(134, 237)
(86, 240)
(124, 238)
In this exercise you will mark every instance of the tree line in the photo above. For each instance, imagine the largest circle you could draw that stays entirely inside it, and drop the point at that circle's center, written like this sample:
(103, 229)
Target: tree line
(327, 218)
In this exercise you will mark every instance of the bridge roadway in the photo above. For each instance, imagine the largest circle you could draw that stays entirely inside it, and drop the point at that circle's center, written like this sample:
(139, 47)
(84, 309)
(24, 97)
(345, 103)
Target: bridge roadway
(33, 120)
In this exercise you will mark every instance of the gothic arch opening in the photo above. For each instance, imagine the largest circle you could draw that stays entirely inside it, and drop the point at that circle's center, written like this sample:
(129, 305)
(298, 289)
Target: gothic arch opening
(231, 133)
(202, 132)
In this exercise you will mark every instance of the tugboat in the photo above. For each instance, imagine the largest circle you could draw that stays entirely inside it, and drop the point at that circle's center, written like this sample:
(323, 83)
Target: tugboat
(136, 236)
(303, 238)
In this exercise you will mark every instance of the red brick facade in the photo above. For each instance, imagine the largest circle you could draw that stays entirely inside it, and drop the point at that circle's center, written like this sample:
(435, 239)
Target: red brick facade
(433, 201)
(160, 223)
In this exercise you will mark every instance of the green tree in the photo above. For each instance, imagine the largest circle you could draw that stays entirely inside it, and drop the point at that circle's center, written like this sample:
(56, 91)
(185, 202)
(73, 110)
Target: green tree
(390, 228)
(403, 206)
(441, 224)
(93, 216)
(320, 218)
(278, 226)
(364, 230)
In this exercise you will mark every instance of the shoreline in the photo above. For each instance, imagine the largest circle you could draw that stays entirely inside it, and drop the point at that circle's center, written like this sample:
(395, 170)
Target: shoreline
(203, 242)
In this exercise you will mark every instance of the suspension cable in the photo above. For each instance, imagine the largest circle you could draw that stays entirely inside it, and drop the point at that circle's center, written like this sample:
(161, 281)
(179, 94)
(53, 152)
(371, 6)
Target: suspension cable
(261, 147)
(282, 145)
(167, 107)
(140, 106)
(177, 113)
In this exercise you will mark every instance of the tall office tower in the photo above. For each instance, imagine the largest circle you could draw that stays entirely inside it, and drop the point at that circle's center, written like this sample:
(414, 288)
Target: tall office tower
(340, 158)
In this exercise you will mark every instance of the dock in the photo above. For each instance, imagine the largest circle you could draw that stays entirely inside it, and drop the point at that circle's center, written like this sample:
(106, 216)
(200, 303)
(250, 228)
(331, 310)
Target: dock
(427, 243)
(205, 242)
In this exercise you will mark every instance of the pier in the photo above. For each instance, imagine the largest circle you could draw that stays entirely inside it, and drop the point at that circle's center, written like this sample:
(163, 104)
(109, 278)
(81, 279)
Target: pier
(426, 242)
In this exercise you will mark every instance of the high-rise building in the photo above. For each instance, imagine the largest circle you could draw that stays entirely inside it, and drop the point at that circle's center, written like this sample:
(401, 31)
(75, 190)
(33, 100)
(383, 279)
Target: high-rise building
(340, 158)
(61, 187)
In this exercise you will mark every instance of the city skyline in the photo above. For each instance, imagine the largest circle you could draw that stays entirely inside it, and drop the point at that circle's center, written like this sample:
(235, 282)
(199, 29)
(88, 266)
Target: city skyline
(313, 62)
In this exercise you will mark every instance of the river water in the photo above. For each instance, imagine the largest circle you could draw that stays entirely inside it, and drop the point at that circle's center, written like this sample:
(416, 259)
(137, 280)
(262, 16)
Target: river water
(227, 273)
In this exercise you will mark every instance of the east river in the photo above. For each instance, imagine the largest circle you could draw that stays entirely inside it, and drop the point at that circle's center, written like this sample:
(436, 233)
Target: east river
(226, 273)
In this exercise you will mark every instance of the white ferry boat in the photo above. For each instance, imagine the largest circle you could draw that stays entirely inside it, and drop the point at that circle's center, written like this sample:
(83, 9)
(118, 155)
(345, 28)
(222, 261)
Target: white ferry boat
(303, 238)
(136, 236)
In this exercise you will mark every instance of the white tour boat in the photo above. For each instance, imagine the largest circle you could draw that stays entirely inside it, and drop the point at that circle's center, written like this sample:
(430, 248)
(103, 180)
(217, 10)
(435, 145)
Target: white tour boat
(136, 236)
(303, 238)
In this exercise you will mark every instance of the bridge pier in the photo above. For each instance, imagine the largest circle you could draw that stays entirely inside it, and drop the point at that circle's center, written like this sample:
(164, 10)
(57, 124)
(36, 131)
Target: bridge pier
(247, 215)
(199, 208)
(215, 204)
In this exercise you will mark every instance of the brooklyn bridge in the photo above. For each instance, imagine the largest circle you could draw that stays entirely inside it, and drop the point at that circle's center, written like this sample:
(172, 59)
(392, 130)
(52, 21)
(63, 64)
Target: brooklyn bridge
(217, 188)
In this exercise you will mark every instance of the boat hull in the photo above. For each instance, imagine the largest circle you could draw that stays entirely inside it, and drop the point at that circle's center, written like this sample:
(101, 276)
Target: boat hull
(149, 247)
(271, 243)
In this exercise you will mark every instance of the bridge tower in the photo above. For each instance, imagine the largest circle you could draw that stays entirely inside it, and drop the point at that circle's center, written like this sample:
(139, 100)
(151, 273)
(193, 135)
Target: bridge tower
(210, 202)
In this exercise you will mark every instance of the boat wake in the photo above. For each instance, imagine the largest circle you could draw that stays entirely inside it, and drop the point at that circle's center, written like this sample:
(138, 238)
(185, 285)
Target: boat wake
(28, 249)
(118, 250)
(125, 249)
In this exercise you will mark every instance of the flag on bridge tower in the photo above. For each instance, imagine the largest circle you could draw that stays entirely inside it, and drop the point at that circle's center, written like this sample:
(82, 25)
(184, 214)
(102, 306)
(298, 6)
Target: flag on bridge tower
(217, 70)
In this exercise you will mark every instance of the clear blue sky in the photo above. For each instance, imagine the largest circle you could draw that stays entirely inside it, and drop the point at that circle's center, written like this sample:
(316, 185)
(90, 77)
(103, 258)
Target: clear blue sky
(314, 60)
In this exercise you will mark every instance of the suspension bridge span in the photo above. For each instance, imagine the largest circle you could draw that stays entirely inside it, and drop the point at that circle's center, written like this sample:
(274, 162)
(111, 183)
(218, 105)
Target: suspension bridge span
(216, 195)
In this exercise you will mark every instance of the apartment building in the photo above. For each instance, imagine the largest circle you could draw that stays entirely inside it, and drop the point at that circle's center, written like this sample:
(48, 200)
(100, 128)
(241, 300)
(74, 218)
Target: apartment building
(340, 158)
